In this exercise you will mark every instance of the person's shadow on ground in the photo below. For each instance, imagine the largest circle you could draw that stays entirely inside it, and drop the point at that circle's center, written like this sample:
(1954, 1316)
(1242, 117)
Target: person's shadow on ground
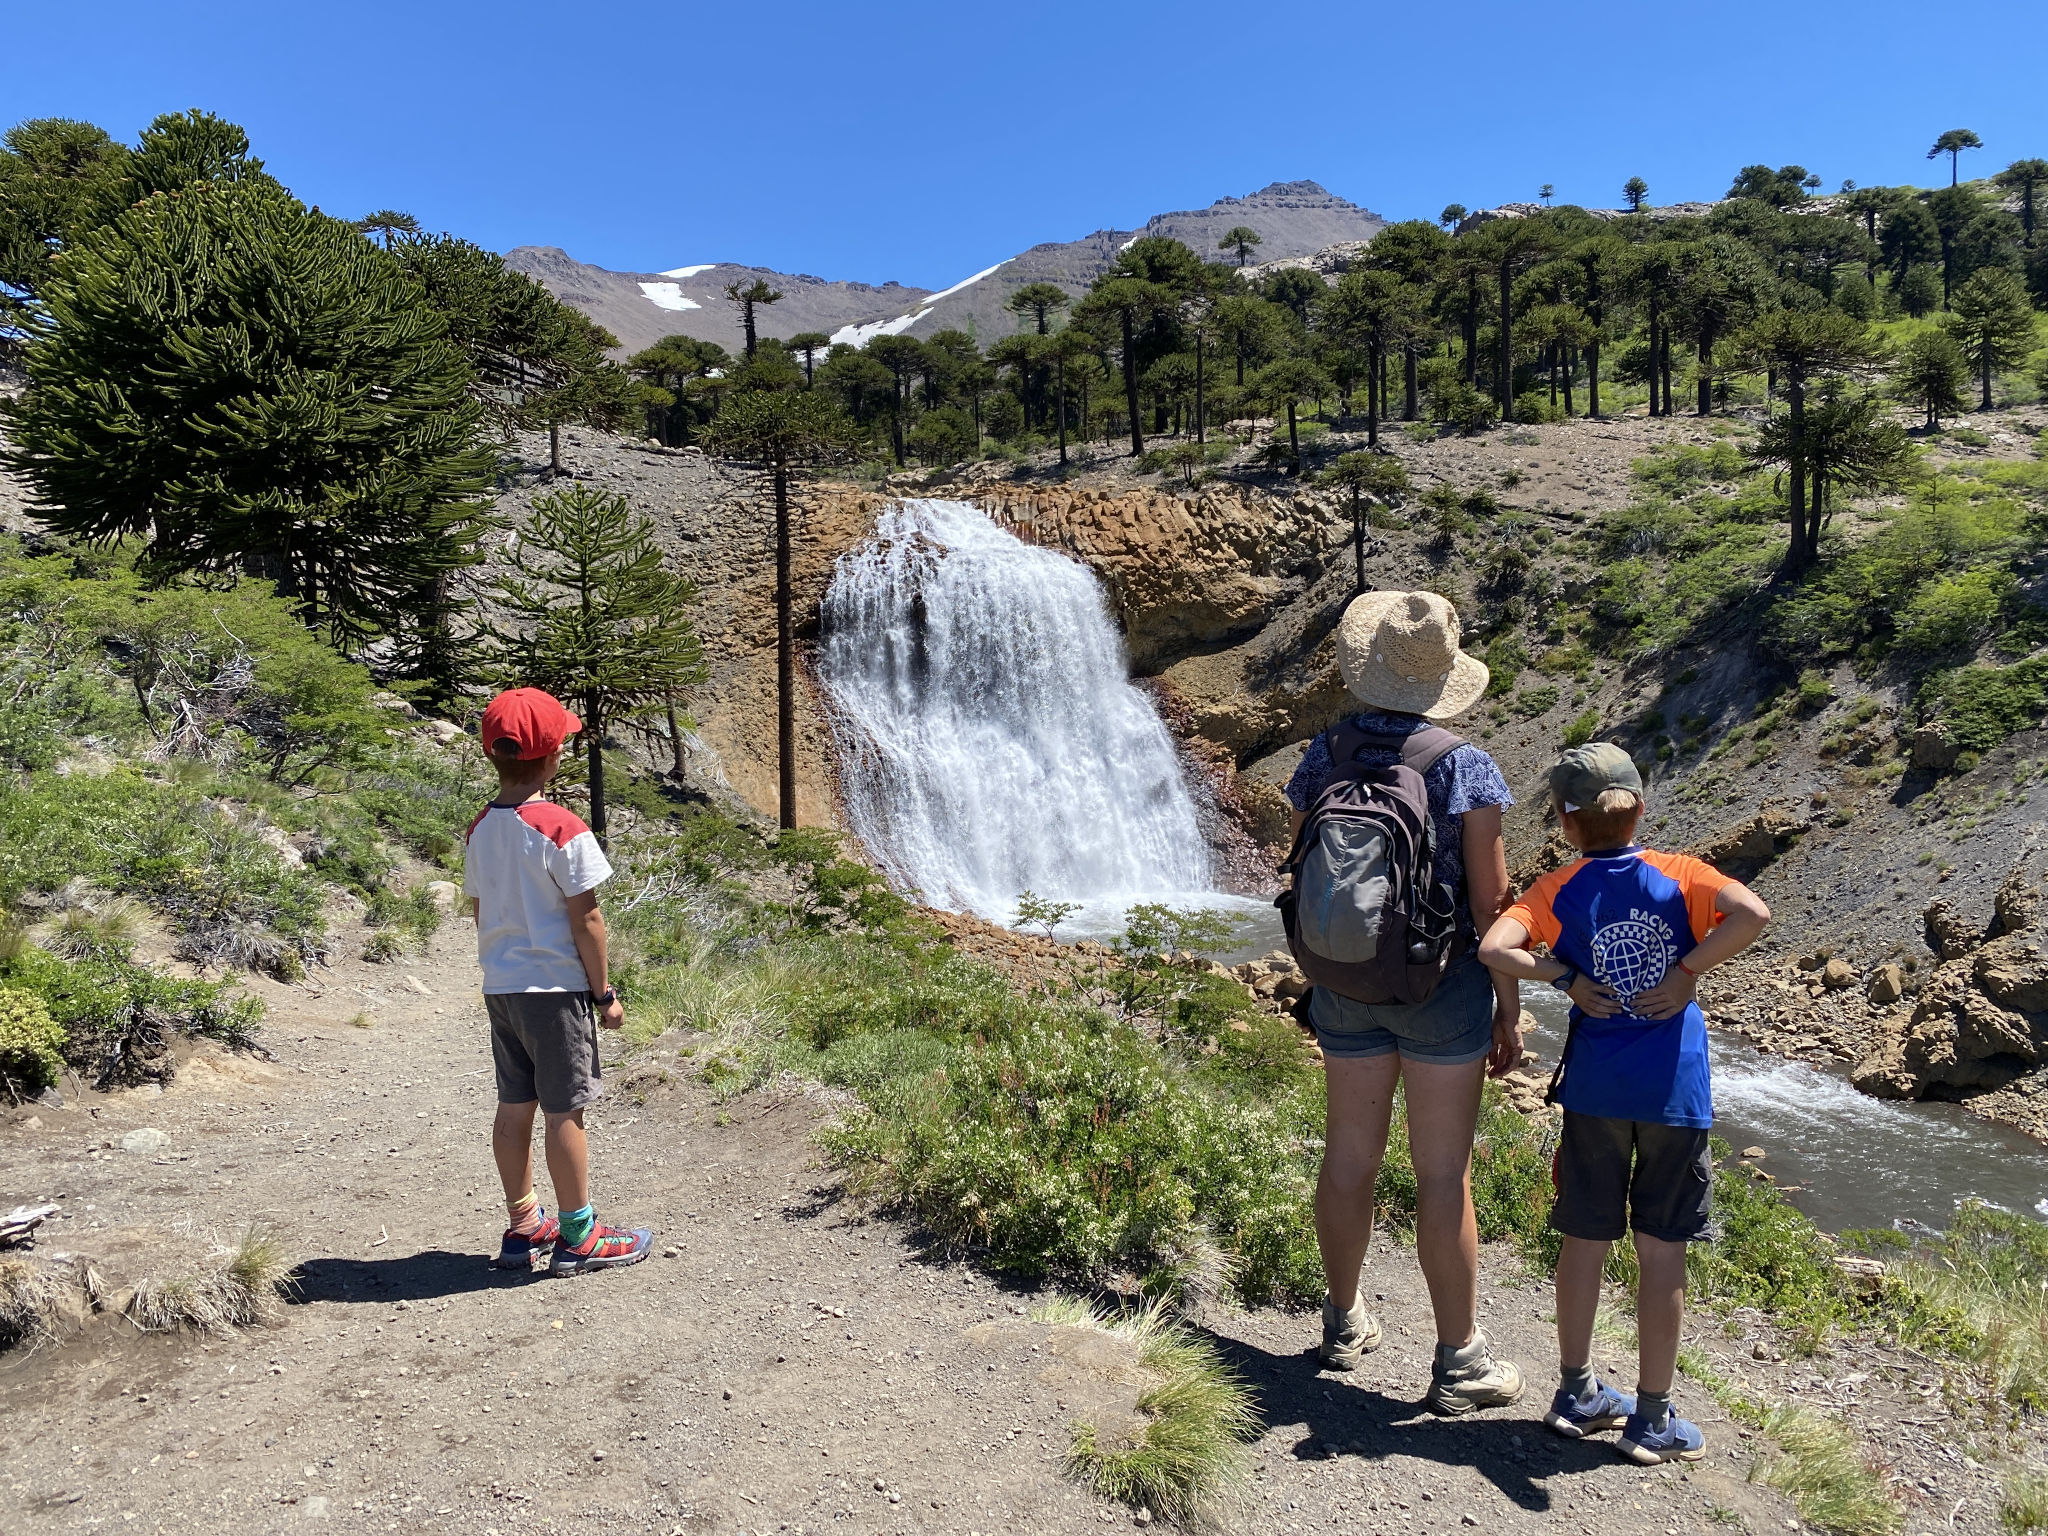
(403, 1277)
(1347, 1419)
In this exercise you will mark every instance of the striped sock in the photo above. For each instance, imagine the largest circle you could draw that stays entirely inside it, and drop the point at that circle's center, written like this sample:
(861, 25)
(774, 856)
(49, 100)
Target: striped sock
(525, 1213)
(576, 1225)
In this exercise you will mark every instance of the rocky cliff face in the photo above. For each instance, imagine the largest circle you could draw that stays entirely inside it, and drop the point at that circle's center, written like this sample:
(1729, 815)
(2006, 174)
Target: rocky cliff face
(1980, 1021)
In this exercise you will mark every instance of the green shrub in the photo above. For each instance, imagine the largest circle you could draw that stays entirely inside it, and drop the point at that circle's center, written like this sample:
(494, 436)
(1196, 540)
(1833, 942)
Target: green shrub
(1533, 405)
(116, 1015)
(1531, 702)
(1982, 705)
(31, 1043)
(1581, 729)
(1814, 693)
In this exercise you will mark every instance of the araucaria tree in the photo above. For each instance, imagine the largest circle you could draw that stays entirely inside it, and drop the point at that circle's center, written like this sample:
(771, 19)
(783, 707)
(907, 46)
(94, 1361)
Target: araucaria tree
(1952, 144)
(783, 431)
(589, 611)
(747, 298)
(1804, 347)
(1240, 238)
(1037, 301)
(1993, 322)
(253, 388)
(1931, 373)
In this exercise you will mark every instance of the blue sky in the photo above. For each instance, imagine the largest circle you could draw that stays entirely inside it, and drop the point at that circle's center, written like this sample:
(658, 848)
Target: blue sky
(922, 142)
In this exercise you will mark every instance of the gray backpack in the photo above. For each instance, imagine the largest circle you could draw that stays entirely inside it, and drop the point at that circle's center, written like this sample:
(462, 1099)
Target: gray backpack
(1366, 916)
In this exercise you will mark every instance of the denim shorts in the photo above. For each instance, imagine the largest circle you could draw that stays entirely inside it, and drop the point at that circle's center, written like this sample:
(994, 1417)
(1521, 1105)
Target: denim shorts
(1453, 1027)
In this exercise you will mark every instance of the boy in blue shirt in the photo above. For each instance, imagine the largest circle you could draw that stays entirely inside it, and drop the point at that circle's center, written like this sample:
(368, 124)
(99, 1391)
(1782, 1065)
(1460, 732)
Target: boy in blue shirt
(1629, 933)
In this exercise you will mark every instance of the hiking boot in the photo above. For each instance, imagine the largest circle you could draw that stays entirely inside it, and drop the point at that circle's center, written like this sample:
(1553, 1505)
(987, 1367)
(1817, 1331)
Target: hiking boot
(1577, 1417)
(1675, 1439)
(1468, 1378)
(605, 1248)
(1348, 1337)
(516, 1249)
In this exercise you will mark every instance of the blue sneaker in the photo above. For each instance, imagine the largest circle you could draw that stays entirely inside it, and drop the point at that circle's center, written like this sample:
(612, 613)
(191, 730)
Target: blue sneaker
(1577, 1417)
(1675, 1439)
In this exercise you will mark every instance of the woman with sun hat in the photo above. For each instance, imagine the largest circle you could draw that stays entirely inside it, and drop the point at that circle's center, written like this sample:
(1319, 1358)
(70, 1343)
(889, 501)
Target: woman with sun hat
(1399, 655)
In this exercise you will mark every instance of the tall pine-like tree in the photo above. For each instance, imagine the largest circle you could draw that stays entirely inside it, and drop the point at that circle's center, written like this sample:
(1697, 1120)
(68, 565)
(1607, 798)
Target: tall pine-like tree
(589, 611)
(251, 387)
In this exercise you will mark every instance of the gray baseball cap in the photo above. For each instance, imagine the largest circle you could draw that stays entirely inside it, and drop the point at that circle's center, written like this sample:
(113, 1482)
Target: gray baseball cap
(1584, 772)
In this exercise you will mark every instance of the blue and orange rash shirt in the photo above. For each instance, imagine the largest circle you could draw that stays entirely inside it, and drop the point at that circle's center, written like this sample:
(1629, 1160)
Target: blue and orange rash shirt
(1627, 918)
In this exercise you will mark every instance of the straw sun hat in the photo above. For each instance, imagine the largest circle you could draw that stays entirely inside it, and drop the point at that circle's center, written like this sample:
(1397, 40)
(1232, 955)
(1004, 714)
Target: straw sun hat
(1399, 651)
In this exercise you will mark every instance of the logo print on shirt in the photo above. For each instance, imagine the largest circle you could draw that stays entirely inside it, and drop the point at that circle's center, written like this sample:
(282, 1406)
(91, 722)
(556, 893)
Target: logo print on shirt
(1632, 955)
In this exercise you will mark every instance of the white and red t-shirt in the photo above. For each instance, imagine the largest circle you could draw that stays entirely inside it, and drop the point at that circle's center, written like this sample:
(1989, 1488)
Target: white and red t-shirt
(523, 864)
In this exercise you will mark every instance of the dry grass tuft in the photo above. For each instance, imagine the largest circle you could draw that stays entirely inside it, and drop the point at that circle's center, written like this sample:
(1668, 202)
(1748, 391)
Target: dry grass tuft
(239, 1290)
(1188, 1460)
(34, 1299)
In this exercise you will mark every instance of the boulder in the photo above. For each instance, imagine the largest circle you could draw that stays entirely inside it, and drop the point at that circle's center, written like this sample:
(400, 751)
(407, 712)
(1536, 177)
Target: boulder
(1934, 748)
(1836, 975)
(1753, 841)
(1955, 1039)
(443, 894)
(1949, 934)
(2017, 906)
(279, 842)
(1887, 985)
(2013, 974)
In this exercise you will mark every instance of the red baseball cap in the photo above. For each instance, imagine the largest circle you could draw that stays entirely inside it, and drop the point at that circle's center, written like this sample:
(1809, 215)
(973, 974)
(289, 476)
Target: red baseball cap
(536, 720)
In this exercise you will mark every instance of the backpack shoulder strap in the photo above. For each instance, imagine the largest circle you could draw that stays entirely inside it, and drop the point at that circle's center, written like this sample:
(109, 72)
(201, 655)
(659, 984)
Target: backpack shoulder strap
(1425, 748)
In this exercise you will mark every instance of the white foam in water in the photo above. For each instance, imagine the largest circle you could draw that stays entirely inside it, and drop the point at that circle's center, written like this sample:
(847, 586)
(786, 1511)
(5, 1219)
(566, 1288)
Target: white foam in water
(989, 737)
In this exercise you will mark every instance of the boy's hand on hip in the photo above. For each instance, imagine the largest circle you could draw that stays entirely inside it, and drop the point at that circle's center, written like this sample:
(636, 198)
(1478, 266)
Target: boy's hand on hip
(1595, 998)
(1668, 998)
(612, 1015)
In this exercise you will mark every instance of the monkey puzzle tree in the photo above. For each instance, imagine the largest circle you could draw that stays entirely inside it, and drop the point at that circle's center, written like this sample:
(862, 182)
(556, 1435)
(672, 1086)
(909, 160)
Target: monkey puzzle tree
(250, 387)
(388, 223)
(1992, 321)
(1120, 304)
(1509, 247)
(1635, 192)
(58, 179)
(1283, 386)
(1038, 301)
(1952, 144)
(2026, 178)
(1721, 284)
(1803, 346)
(588, 610)
(1368, 477)
(807, 345)
(1931, 372)
(1452, 216)
(747, 298)
(783, 431)
(1240, 238)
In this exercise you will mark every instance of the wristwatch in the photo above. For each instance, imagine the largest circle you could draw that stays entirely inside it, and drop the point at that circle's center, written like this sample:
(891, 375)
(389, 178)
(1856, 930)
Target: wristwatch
(1566, 982)
(611, 995)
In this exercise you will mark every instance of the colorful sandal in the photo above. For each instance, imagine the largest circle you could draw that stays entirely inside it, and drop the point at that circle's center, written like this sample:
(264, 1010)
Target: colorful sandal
(517, 1249)
(605, 1248)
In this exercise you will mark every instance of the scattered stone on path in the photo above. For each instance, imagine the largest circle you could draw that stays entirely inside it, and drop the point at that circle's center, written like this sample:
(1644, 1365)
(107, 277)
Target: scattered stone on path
(145, 1142)
(418, 986)
(1836, 975)
(1887, 985)
(1753, 1153)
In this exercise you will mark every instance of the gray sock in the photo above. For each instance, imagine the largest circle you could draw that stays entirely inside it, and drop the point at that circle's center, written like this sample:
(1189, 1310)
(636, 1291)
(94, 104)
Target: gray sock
(1577, 1380)
(1653, 1406)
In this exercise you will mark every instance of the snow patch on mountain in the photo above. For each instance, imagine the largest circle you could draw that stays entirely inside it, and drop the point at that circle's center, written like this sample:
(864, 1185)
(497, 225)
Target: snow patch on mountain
(690, 271)
(861, 335)
(668, 296)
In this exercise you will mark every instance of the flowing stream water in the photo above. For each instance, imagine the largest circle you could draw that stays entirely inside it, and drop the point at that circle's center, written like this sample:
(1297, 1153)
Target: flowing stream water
(990, 742)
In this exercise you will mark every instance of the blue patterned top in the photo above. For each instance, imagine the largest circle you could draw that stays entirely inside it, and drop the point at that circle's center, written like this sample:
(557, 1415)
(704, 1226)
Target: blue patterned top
(1458, 782)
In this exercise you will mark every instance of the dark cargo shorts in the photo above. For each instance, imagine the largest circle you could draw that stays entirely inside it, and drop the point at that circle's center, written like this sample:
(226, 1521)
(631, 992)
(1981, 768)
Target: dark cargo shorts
(544, 1045)
(1614, 1176)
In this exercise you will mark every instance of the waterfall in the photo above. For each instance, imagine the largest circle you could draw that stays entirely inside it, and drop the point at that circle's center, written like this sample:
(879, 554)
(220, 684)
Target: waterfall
(989, 738)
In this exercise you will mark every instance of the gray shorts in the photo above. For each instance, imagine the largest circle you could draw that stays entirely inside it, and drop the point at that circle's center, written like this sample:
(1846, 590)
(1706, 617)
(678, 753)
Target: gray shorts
(1455, 1026)
(544, 1045)
(1614, 1176)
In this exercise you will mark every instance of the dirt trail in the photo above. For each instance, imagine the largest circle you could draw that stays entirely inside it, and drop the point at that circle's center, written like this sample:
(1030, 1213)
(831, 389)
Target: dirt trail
(791, 1368)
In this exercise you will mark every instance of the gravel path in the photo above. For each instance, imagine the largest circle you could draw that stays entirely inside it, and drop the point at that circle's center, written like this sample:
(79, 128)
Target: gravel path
(781, 1365)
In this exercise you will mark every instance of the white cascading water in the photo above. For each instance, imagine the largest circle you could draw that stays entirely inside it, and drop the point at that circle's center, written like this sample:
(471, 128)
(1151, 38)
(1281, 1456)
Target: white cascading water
(990, 740)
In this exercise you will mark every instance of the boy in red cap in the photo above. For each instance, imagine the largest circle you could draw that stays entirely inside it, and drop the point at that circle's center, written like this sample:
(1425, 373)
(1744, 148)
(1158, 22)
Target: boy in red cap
(531, 872)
